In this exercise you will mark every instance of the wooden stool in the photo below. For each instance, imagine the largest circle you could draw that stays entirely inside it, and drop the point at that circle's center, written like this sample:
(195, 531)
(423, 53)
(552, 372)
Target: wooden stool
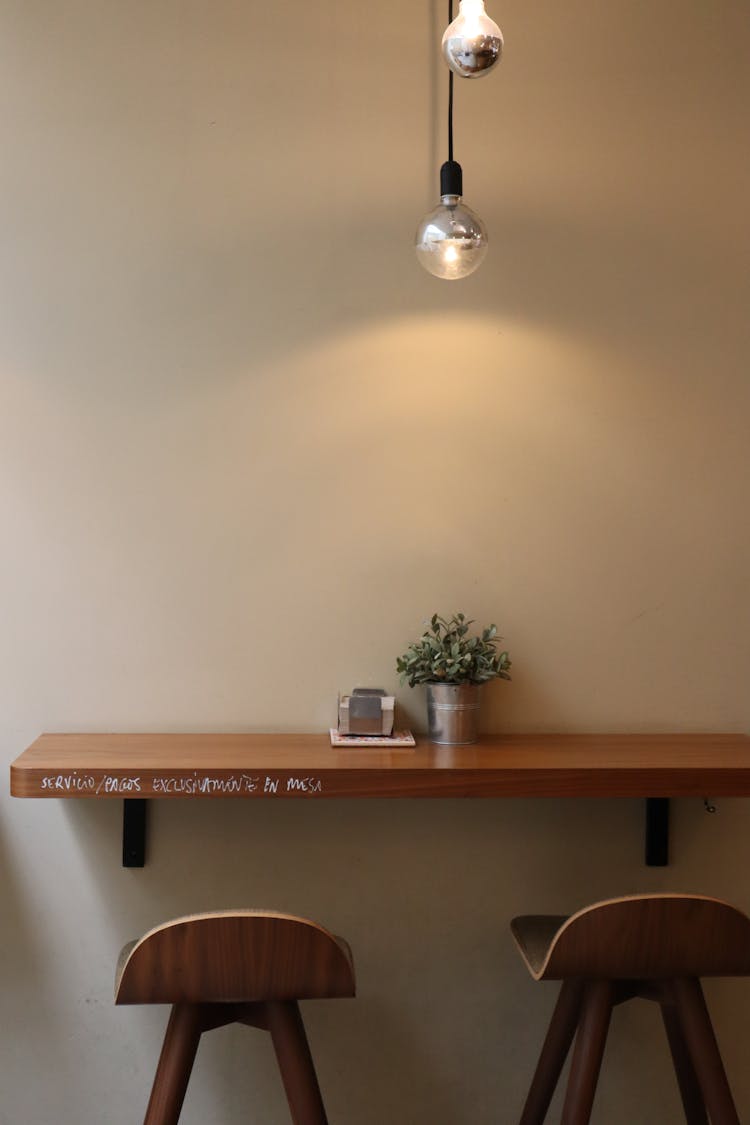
(241, 966)
(651, 946)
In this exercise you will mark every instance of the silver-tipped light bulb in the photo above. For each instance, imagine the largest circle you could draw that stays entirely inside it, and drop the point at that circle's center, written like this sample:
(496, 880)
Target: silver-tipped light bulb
(473, 43)
(451, 241)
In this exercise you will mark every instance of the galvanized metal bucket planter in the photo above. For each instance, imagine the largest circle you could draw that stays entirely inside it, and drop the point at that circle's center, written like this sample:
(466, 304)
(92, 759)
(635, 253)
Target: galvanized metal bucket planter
(453, 713)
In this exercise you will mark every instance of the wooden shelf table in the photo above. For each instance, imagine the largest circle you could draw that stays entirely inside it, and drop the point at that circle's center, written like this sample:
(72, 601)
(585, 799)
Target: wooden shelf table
(140, 767)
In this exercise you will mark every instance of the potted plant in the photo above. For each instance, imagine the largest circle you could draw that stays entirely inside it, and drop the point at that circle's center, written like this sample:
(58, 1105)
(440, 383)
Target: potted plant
(453, 665)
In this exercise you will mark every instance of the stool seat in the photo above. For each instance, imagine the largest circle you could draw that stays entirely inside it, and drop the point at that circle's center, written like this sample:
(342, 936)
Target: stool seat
(534, 935)
(235, 966)
(637, 937)
(654, 947)
(234, 956)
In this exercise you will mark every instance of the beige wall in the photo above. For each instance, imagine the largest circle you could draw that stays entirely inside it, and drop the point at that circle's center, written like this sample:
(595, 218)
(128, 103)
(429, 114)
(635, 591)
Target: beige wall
(215, 343)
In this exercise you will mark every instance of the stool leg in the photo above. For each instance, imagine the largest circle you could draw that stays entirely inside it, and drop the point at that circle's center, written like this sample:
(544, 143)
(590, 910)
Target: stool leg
(295, 1063)
(687, 1080)
(554, 1051)
(704, 1051)
(175, 1065)
(588, 1052)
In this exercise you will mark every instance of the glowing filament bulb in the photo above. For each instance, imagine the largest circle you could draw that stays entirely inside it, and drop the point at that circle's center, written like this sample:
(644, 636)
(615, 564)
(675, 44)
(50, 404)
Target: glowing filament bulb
(451, 241)
(473, 43)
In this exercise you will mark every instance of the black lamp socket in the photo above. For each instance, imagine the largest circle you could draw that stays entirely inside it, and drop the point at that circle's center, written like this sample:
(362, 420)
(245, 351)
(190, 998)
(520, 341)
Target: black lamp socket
(451, 178)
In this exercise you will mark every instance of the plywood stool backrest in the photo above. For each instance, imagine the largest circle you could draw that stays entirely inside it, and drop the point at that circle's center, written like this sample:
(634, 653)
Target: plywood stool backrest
(655, 947)
(242, 966)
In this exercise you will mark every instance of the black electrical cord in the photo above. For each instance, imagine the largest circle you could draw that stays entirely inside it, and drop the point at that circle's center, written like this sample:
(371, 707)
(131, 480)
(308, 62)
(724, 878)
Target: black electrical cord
(451, 180)
(450, 92)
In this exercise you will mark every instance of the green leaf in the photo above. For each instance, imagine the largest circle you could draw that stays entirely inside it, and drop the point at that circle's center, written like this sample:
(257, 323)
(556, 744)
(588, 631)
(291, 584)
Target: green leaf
(447, 652)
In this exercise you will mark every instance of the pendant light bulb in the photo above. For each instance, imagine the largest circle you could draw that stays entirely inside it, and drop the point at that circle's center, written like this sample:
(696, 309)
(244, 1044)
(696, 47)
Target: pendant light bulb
(473, 43)
(451, 241)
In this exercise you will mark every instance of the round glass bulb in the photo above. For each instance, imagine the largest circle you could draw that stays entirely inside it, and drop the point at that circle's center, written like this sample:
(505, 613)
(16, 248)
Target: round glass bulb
(451, 241)
(473, 43)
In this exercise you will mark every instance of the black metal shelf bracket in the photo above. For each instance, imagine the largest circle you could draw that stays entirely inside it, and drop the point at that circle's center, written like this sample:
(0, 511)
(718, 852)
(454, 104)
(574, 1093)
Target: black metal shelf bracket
(134, 832)
(657, 831)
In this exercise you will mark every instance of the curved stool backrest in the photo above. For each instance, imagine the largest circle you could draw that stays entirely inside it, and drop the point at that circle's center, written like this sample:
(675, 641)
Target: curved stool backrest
(649, 937)
(234, 956)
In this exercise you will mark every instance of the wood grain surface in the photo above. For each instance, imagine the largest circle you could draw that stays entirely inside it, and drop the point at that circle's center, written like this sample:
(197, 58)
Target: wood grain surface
(639, 937)
(234, 956)
(304, 766)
